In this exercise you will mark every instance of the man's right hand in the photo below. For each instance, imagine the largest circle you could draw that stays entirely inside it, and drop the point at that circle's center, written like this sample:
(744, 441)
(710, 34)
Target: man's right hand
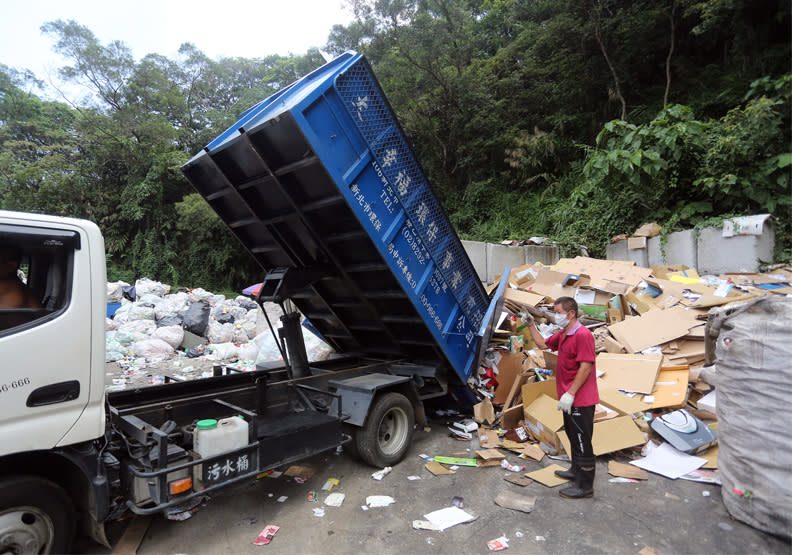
(527, 318)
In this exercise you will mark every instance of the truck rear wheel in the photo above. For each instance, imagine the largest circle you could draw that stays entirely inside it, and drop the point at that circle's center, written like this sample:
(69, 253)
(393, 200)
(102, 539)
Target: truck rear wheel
(36, 516)
(385, 437)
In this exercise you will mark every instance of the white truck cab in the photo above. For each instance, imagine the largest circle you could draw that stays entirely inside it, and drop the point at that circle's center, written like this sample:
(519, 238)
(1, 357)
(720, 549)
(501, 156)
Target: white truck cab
(51, 372)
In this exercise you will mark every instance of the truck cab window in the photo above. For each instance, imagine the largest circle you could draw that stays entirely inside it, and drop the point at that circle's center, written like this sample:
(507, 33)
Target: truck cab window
(35, 278)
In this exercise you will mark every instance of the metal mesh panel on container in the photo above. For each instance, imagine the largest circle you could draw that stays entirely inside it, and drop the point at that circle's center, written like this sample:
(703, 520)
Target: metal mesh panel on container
(374, 120)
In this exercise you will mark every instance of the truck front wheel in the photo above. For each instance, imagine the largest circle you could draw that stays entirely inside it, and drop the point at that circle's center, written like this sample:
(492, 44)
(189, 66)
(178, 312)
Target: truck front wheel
(36, 516)
(385, 437)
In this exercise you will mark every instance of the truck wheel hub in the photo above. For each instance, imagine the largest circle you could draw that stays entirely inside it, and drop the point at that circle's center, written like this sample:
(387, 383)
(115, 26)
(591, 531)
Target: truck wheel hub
(25, 530)
(393, 430)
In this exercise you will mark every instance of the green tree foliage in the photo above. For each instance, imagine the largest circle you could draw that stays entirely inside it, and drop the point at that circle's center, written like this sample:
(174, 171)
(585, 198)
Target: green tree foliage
(575, 119)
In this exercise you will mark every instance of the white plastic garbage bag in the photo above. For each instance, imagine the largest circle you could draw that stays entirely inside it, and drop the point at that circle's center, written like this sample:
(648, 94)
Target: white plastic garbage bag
(145, 327)
(198, 294)
(121, 314)
(146, 285)
(153, 350)
(115, 291)
(172, 335)
(248, 351)
(222, 351)
(315, 347)
(141, 312)
(149, 298)
(114, 350)
(268, 349)
(172, 304)
(219, 333)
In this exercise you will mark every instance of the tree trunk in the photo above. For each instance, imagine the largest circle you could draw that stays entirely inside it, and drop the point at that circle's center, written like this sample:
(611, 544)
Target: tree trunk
(598, 34)
(670, 53)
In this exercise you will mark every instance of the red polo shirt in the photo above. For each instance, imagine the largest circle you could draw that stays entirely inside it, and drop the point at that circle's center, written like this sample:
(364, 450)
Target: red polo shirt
(574, 347)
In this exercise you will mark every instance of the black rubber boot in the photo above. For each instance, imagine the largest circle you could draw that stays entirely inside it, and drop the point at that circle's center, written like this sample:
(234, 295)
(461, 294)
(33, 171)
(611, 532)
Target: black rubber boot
(568, 474)
(584, 480)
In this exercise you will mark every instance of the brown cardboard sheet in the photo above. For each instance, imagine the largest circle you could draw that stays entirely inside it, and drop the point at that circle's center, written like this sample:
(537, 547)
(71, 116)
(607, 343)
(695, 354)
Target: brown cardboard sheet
(610, 436)
(490, 454)
(547, 476)
(611, 345)
(523, 297)
(670, 389)
(533, 390)
(653, 328)
(511, 417)
(629, 372)
(635, 243)
(509, 367)
(618, 401)
(607, 275)
(543, 419)
(627, 471)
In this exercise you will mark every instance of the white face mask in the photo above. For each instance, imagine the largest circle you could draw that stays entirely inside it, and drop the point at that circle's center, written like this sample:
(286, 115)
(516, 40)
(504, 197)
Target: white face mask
(561, 320)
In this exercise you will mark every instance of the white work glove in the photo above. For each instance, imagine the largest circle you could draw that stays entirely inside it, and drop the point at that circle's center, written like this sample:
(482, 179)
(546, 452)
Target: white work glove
(565, 403)
(527, 318)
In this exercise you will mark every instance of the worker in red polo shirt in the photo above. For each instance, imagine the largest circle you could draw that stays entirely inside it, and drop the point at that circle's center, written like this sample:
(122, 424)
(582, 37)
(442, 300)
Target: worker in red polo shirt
(576, 385)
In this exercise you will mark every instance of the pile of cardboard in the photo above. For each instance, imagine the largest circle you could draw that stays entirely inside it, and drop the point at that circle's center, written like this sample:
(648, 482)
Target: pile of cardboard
(649, 326)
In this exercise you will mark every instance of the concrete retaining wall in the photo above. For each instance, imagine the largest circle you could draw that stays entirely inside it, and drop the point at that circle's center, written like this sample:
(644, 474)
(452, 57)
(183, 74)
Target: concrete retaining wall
(707, 251)
(491, 259)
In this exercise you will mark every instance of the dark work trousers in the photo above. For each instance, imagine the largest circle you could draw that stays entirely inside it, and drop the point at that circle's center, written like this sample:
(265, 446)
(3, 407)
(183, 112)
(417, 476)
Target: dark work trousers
(579, 427)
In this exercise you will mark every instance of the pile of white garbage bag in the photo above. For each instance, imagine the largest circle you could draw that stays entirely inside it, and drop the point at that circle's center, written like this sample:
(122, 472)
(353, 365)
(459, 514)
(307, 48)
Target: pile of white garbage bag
(153, 326)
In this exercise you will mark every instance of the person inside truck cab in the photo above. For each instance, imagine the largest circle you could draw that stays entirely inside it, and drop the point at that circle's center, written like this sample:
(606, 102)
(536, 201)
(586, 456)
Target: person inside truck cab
(13, 292)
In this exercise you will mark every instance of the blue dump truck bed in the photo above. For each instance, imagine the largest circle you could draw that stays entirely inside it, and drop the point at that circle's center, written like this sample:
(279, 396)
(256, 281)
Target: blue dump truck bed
(320, 175)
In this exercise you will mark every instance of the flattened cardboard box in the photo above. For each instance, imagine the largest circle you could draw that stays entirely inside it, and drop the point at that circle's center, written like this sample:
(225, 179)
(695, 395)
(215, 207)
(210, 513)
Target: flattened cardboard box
(615, 276)
(629, 372)
(670, 390)
(523, 297)
(635, 243)
(551, 284)
(531, 391)
(509, 367)
(543, 419)
(611, 435)
(618, 401)
(653, 328)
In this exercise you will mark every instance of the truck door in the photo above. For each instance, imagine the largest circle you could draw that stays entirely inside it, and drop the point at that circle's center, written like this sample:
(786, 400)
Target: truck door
(45, 331)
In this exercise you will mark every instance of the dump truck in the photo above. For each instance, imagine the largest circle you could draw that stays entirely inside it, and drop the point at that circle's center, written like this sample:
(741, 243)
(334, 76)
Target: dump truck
(319, 184)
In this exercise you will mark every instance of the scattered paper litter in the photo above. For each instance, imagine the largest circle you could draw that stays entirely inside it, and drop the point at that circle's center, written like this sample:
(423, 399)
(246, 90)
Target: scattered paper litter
(540, 538)
(668, 461)
(328, 485)
(448, 517)
(516, 502)
(379, 500)
(335, 499)
(498, 544)
(282, 498)
(413, 477)
(266, 535)
(380, 474)
(424, 525)
(318, 511)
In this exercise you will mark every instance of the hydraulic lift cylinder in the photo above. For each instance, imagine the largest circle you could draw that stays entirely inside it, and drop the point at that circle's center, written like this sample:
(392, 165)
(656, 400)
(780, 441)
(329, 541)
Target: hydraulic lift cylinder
(295, 344)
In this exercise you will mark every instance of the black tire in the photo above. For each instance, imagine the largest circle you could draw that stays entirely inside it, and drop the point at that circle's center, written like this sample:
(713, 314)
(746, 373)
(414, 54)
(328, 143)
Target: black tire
(350, 447)
(36, 516)
(385, 436)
